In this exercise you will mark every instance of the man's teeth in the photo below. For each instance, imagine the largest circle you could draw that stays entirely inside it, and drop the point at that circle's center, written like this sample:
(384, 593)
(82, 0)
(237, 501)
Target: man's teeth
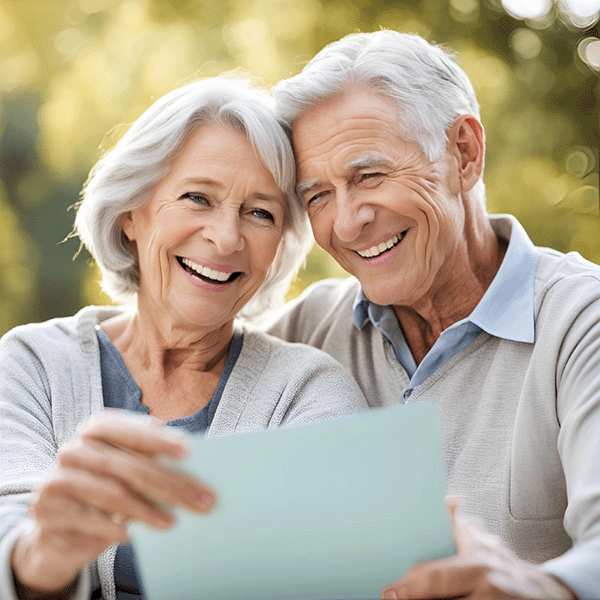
(205, 271)
(377, 250)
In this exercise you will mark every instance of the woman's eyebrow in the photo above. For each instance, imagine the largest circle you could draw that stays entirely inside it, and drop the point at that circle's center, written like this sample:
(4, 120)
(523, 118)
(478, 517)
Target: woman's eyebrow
(202, 181)
(220, 185)
(268, 197)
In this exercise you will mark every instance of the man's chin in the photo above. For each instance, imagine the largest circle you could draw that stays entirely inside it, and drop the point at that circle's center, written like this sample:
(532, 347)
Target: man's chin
(378, 293)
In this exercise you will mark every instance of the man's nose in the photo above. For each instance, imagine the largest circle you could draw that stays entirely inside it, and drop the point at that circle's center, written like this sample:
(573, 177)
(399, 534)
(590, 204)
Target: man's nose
(351, 215)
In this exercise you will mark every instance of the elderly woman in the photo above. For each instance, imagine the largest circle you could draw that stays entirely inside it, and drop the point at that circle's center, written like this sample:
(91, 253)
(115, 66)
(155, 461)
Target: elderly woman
(193, 221)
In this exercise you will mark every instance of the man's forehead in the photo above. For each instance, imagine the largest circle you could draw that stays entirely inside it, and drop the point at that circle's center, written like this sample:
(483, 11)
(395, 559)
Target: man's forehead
(349, 109)
(361, 135)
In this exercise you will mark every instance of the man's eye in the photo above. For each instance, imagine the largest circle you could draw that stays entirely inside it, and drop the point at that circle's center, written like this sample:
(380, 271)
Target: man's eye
(367, 176)
(263, 214)
(316, 197)
(197, 198)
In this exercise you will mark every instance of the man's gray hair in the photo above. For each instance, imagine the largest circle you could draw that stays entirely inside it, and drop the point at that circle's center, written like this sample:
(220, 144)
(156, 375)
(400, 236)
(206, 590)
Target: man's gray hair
(123, 179)
(423, 80)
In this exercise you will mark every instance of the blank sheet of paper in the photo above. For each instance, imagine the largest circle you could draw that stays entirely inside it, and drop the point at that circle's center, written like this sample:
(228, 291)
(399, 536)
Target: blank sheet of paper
(335, 510)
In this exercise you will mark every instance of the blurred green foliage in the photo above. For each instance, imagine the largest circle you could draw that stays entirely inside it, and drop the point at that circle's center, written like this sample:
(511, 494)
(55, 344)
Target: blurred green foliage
(72, 70)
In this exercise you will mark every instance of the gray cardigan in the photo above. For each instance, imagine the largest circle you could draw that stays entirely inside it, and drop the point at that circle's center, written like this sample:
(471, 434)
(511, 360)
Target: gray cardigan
(520, 422)
(50, 383)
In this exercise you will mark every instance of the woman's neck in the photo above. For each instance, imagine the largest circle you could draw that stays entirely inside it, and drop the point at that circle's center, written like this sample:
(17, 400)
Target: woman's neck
(159, 344)
(177, 369)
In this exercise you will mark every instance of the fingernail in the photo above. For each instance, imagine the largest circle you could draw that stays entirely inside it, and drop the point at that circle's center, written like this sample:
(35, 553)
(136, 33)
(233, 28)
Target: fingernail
(175, 434)
(389, 595)
(164, 521)
(204, 502)
(180, 442)
(179, 450)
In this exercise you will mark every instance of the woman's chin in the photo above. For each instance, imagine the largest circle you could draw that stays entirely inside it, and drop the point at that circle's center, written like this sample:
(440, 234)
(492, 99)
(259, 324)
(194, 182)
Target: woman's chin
(205, 319)
(193, 315)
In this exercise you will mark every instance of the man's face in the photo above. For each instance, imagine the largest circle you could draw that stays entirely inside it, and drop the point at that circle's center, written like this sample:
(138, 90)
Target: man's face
(376, 203)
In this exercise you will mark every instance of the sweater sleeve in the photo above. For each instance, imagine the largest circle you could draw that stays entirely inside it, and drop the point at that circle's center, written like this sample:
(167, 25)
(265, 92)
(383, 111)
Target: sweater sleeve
(578, 387)
(27, 443)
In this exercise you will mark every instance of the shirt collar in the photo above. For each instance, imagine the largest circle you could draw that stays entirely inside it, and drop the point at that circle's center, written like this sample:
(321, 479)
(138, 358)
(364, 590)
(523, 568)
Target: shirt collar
(360, 309)
(506, 310)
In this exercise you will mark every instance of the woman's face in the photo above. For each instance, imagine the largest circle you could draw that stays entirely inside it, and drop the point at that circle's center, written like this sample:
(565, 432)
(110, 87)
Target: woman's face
(209, 231)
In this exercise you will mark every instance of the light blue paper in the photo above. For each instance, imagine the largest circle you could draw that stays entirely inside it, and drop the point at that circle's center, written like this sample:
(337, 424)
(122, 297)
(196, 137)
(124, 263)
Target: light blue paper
(335, 510)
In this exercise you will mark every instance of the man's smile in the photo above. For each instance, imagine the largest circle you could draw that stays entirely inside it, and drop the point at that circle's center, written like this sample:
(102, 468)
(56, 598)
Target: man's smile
(381, 248)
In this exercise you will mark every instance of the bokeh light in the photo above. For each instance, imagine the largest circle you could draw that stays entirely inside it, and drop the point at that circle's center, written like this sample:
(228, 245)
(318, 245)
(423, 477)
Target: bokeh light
(581, 8)
(581, 14)
(527, 9)
(589, 52)
(525, 42)
(75, 73)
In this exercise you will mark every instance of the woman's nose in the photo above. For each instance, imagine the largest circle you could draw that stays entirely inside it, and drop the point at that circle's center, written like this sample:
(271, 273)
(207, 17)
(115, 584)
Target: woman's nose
(225, 232)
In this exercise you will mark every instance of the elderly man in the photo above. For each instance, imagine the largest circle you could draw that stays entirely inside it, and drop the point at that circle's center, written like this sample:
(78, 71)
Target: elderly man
(451, 305)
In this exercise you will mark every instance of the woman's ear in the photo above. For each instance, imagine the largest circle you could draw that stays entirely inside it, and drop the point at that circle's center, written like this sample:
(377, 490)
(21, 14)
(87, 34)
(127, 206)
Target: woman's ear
(466, 140)
(127, 226)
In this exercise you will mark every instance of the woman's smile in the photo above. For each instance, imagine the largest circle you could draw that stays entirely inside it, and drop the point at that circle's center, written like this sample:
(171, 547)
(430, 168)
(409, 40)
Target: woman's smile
(213, 280)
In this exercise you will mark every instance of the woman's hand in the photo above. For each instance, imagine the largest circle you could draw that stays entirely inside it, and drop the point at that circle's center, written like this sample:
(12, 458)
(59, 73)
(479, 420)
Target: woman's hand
(107, 475)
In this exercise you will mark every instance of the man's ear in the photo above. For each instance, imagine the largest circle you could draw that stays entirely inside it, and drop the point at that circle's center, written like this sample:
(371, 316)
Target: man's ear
(466, 141)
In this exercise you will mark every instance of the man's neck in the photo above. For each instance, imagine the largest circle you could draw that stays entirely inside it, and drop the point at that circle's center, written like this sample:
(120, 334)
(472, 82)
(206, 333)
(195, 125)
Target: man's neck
(459, 289)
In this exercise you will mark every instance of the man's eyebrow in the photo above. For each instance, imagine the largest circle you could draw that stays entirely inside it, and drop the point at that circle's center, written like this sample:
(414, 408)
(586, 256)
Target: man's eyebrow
(306, 186)
(368, 161)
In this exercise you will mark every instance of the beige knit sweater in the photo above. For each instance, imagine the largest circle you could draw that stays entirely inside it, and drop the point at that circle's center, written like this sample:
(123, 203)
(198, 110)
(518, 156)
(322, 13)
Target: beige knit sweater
(521, 422)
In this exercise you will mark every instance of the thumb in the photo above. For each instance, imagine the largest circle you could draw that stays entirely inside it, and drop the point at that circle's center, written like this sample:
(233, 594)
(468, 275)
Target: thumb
(453, 505)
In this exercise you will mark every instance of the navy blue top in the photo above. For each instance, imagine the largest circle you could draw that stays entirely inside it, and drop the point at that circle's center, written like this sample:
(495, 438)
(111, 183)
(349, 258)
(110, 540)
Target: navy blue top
(119, 390)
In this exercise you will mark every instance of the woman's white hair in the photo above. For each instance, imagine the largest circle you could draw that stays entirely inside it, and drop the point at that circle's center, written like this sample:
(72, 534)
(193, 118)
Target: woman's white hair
(123, 179)
(423, 80)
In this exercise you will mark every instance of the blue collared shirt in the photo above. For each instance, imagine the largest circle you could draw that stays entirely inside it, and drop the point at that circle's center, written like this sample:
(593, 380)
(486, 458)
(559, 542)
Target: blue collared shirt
(506, 310)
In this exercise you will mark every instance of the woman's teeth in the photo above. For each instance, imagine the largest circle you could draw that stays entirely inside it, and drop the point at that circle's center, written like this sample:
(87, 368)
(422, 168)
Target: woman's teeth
(377, 250)
(205, 271)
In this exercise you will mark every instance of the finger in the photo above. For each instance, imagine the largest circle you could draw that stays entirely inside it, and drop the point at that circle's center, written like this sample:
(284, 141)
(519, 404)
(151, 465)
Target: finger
(445, 578)
(144, 475)
(453, 504)
(80, 543)
(105, 494)
(469, 534)
(62, 515)
(486, 590)
(142, 433)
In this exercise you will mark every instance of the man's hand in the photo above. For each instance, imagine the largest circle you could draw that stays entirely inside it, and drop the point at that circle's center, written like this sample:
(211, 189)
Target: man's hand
(483, 568)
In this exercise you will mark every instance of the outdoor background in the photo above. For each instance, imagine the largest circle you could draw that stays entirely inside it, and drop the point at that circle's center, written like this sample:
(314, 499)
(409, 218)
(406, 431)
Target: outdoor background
(71, 71)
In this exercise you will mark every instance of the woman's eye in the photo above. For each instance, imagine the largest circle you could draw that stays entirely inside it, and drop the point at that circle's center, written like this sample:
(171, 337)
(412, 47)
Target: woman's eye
(197, 198)
(263, 214)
